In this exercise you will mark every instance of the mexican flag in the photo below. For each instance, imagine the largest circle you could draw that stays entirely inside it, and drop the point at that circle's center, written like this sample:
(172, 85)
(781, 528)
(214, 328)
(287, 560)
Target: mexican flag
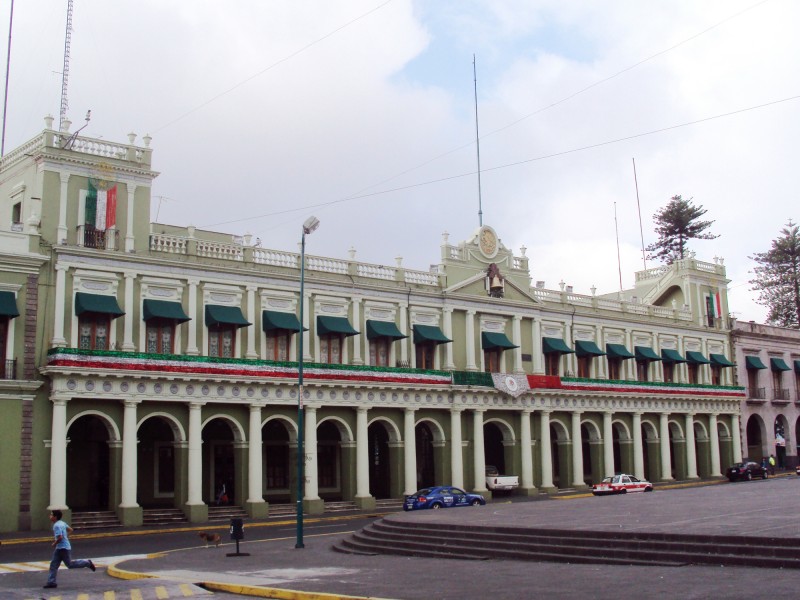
(714, 305)
(101, 205)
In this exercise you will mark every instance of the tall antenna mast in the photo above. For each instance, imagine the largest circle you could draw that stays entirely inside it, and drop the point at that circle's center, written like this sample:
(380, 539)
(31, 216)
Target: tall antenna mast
(65, 72)
(619, 260)
(8, 69)
(639, 206)
(477, 140)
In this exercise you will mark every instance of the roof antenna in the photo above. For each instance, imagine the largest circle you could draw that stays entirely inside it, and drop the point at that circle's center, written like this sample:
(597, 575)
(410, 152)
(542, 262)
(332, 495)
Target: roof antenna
(477, 140)
(68, 144)
(62, 115)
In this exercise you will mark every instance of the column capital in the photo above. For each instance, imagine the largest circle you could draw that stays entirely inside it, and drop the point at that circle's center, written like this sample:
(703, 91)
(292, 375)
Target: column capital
(64, 177)
(447, 310)
(456, 409)
(257, 406)
(577, 412)
(408, 409)
(193, 281)
(478, 410)
(362, 409)
(130, 274)
(472, 312)
(131, 403)
(195, 405)
(62, 267)
(58, 401)
(252, 288)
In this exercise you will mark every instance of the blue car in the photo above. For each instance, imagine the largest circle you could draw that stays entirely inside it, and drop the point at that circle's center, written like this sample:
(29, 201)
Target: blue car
(442, 496)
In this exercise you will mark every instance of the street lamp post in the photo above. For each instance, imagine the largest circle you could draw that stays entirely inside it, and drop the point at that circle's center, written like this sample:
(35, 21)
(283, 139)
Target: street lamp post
(308, 227)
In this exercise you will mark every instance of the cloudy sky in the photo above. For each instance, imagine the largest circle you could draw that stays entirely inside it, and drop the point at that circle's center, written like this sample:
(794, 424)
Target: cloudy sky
(361, 112)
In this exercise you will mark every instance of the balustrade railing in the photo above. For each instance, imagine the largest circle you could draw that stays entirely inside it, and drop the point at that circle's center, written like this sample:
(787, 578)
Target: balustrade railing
(9, 368)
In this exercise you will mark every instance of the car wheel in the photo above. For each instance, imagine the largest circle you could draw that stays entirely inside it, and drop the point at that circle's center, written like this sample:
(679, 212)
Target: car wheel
(436, 506)
(749, 476)
(623, 491)
(648, 489)
(475, 502)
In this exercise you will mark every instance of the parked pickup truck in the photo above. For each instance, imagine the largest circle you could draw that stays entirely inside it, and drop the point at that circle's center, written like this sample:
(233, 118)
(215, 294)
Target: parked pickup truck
(497, 482)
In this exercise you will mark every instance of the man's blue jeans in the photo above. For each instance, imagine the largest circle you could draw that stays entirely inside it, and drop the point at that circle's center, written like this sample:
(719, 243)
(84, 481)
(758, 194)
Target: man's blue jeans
(62, 555)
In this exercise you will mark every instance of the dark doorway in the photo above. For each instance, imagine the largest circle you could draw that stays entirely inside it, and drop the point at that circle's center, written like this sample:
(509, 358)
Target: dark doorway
(277, 470)
(493, 450)
(156, 464)
(88, 472)
(426, 473)
(379, 463)
(219, 466)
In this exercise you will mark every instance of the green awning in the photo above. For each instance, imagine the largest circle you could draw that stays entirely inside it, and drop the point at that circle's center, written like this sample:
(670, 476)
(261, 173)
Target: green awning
(97, 303)
(328, 325)
(225, 315)
(272, 320)
(163, 309)
(753, 362)
(587, 348)
(778, 364)
(618, 351)
(797, 366)
(387, 329)
(491, 340)
(673, 356)
(429, 333)
(552, 345)
(720, 360)
(8, 305)
(645, 353)
(696, 358)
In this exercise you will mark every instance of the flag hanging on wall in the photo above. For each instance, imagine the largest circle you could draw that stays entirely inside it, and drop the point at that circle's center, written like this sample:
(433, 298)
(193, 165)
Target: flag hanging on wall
(714, 305)
(101, 205)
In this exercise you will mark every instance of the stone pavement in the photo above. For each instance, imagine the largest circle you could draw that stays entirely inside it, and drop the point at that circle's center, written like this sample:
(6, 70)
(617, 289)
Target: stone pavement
(275, 569)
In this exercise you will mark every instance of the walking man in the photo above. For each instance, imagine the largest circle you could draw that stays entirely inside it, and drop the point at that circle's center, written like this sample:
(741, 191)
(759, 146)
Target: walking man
(62, 548)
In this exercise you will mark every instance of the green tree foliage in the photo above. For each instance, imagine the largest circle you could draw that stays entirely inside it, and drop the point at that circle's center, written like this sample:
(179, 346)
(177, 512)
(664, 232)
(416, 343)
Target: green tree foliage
(676, 224)
(777, 278)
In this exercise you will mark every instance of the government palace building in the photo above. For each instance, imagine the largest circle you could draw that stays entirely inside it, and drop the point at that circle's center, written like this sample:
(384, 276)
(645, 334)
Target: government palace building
(148, 366)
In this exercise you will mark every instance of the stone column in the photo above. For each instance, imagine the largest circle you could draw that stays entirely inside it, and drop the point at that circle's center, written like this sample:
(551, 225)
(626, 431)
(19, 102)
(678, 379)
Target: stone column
(127, 318)
(447, 318)
(363, 498)
(546, 452)
(129, 247)
(691, 454)
(359, 339)
(129, 454)
(714, 441)
(404, 329)
(61, 235)
(312, 501)
(251, 316)
(256, 507)
(638, 450)
(478, 456)
(409, 452)
(608, 445)
(516, 334)
(60, 302)
(456, 449)
(536, 350)
(525, 438)
(191, 340)
(736, 439)
(58, 456)
(470, 341)
(666, 463)
(196, 510)
(577, 451)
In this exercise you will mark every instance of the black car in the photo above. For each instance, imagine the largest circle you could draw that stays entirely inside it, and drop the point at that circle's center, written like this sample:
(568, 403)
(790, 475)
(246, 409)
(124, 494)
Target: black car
(746, 470)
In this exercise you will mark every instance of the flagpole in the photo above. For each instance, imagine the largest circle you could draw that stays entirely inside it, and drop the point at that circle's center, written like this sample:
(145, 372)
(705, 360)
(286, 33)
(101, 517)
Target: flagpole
(639, 206)
(8, 70)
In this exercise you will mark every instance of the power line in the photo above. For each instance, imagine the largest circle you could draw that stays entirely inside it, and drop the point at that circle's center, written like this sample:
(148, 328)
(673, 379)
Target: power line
(567, 98)
(509, 165)
(272, 66)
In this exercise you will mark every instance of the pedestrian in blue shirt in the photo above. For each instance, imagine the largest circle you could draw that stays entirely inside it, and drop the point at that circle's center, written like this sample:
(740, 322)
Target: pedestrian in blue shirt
(62, 547)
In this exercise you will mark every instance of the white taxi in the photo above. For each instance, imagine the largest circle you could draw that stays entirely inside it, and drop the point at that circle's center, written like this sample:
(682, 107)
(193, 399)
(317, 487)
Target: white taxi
(621, 484)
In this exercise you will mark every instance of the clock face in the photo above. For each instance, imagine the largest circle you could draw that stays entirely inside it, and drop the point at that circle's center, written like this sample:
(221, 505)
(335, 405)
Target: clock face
(487, 240)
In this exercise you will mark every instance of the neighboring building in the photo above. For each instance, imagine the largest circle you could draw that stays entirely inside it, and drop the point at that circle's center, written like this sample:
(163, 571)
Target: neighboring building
(168, 358)
(768, 366)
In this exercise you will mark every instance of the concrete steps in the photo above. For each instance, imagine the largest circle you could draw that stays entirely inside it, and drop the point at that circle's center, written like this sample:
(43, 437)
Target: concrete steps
(434, 540)
(96, 519)
(163, 516)
(225, 513)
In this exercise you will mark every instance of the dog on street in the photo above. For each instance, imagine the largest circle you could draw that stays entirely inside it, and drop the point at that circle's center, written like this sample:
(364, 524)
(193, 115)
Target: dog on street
(210, 538)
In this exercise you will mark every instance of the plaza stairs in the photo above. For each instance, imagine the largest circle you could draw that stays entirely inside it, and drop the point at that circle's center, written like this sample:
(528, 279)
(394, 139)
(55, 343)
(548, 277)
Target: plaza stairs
(225, 512)
(95, 519)
(461, 541)
(163, 516)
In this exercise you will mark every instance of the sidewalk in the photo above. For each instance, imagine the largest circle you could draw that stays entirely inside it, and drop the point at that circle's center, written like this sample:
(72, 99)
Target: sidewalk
(275, 569)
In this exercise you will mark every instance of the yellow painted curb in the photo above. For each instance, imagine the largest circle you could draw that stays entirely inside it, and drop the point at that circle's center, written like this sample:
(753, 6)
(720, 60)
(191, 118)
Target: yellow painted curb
(113, 571)
(278, 593)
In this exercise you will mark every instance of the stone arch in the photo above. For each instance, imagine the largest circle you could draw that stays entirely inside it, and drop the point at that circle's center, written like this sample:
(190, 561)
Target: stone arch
(436, 428)
(345, 431)
(651, 450)
(677, 450)
(504, 426)
(175, 425)
(279, 459)
(592, 451)
(93, 450)
(560, 449)
(236, 428)
(223, 460)
(288, 423)
(383, 444)
(622, 444)
(756, 438)
(702, 448)
(111, 426)
(429, 441)
(781, 430)
(391, 428)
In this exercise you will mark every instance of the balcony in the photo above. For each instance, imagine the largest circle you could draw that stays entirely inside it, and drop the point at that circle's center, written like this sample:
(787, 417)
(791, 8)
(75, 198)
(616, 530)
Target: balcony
(780, 396)
(89, 237)
(756, 395)
(9, 369)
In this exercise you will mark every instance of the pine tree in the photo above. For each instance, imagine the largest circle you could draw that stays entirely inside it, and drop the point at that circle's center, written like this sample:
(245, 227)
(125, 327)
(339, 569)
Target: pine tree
(676, 224)
(777, 278)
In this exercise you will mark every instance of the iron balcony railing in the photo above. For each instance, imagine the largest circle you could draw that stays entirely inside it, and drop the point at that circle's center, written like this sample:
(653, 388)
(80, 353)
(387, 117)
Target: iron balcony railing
(781, 394)
(757, 393)
(9, 369)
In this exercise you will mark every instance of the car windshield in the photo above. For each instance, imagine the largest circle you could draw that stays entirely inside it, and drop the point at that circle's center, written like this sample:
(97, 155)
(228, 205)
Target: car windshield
(606, 480)
(423, 492)
(737, 465)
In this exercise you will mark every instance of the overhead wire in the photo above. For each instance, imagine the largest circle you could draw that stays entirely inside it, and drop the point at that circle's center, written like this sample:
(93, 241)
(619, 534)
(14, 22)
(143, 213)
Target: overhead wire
(509, 165)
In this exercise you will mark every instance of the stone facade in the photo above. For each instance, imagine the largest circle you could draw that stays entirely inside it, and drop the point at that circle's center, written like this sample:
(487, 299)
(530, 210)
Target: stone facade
(165, 361)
